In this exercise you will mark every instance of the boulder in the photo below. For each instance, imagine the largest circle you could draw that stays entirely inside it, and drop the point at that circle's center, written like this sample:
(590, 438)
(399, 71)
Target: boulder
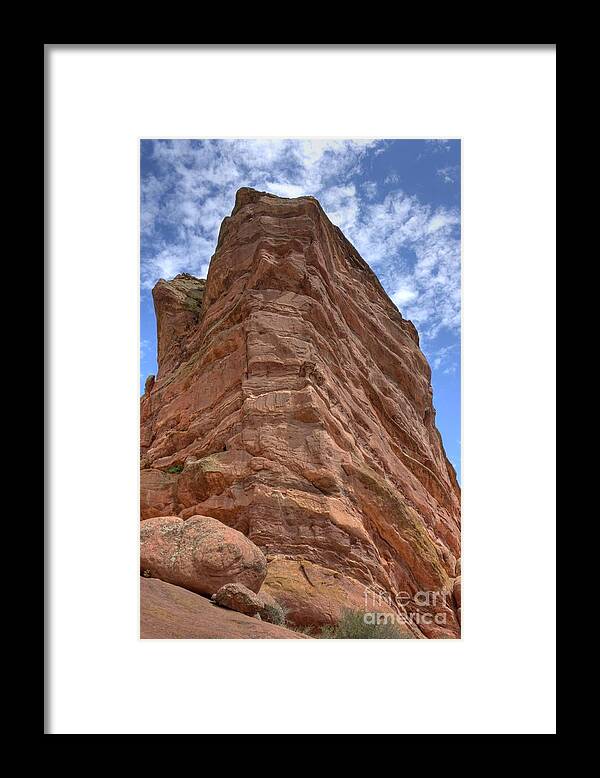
(200, 554)
(237, 597)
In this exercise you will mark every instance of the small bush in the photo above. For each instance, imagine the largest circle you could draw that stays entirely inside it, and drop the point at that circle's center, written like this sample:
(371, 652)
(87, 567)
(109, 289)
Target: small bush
(147, 574)
(274, 614)
(175, 469)
(303, 630)
(352, 627)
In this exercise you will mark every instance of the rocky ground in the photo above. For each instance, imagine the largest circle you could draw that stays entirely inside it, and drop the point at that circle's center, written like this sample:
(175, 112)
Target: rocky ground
(288, 442)
(169, 611)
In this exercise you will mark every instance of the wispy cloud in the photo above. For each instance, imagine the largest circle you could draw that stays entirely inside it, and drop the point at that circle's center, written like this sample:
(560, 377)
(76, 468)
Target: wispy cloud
(438, 144)
(444, 359)
(370, 189)
(193, 188)
(448, 174)
(413, 247)
(144, 348)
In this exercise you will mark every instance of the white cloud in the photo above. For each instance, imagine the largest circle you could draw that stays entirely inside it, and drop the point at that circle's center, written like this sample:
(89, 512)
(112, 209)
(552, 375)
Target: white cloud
(448, 174)
(405, 293)
(442, 218)
(414, 248)
(341, 205)
(439, 357)
(285, 190)
(184, 203)
(370, 189)
(144, 348)
(445, 359)
(439, 144)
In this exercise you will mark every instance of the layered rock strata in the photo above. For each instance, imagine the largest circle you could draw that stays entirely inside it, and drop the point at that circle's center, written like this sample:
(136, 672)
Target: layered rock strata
(293, 404)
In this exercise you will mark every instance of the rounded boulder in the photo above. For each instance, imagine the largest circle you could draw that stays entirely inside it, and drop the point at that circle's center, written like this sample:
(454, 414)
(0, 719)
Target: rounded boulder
(200, 554)
(237, 597)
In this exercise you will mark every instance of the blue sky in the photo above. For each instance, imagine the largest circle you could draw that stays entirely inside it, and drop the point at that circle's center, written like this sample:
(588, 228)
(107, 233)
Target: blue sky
(397, 201)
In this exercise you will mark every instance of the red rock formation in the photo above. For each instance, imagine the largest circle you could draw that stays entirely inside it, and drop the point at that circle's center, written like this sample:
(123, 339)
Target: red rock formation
(297, 404)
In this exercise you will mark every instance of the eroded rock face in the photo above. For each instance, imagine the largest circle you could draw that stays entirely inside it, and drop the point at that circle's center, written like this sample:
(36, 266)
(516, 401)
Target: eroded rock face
(179, 302)
(297, 403)
(200, 554)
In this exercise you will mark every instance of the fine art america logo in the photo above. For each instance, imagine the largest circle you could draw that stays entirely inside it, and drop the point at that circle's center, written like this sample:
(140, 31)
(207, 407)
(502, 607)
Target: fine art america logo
(424, 607)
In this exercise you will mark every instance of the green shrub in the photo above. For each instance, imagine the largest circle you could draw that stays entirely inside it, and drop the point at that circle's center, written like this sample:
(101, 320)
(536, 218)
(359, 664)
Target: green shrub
(175, 469)
(274, 614)
(352, 626)
(310, 631)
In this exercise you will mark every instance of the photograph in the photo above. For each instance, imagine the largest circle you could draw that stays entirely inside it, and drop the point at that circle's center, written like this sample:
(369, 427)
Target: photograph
(300, 386)
(300, 413)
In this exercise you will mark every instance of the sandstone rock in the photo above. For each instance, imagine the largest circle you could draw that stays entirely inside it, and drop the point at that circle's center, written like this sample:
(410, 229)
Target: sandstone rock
(316, 596)
(168, 611)
(200, 554)
(238, 597)
(272, 610)
(149, 383)
(456, 592)
(158, 493)
(268, 601)
(298, 402)
(177, 305)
